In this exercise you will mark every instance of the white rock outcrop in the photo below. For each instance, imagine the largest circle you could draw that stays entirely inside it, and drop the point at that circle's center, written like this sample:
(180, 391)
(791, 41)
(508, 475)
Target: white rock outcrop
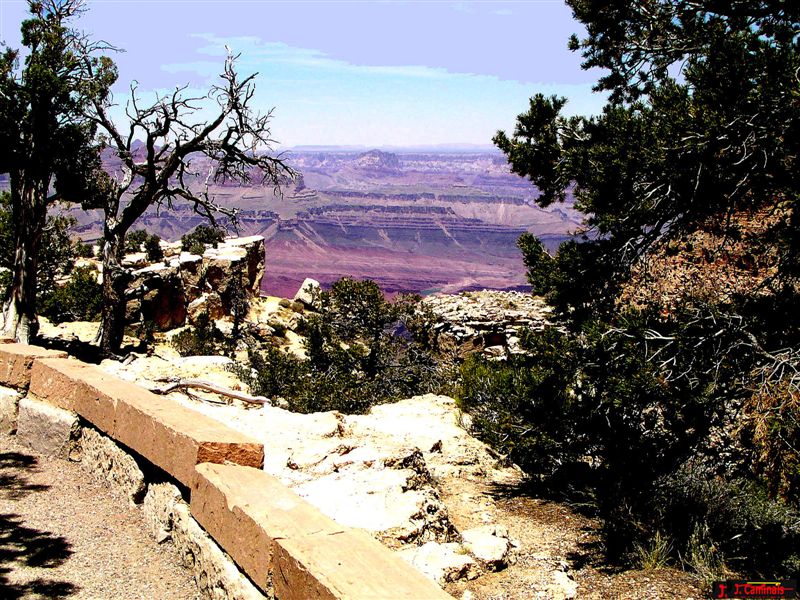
(490, 545)
(307, 292)
(487, 320)
(444, 563)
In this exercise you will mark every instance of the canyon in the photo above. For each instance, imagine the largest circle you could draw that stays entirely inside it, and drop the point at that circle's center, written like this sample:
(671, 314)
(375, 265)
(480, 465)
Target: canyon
(422, 221)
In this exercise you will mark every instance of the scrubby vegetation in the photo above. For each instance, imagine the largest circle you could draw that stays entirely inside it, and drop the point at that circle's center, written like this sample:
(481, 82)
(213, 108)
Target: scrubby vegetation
(640, 421)
(140, 240)
(201, 236)
(80, 299)
(670, 410)
(361, 350)
(56, 259)
(202, 339)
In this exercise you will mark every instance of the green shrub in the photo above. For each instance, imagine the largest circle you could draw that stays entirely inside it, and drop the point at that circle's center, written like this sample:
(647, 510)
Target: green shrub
(152, 248)
(204, 339)
(140, 240)
(362, 350)
(135, 239)
(238, 298)
(83, 250)
(279, 328)
(522, 407)
(57, 251)
(81, 299)
(654, 390)
(196, 241)
(731, 523)
(611, 412)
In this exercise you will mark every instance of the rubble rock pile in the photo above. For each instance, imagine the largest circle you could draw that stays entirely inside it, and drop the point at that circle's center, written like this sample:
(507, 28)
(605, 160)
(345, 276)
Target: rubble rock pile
(486, 321)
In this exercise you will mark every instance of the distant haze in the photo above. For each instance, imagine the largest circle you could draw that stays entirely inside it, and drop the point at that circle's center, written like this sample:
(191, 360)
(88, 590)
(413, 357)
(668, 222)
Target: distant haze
(422, 221)
(432, 148)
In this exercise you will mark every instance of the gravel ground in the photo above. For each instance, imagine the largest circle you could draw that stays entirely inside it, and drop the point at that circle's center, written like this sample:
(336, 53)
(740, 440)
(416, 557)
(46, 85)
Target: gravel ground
(64, 535)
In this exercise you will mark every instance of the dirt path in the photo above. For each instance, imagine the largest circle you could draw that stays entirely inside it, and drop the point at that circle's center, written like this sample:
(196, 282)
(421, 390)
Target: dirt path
(63, 535)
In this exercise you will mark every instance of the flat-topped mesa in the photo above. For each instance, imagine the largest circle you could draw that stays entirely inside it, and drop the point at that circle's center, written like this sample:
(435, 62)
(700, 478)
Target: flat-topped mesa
(170, 436)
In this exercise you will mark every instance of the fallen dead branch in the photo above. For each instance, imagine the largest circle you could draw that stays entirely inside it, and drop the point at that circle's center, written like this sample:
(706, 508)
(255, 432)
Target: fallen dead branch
(201, 384)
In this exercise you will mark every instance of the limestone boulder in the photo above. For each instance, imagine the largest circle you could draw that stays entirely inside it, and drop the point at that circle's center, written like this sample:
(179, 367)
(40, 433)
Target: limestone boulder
(188, 285)
(307, 292)
(389, 472)
(490, 545)
(389, 494)
(207, 304)
(236, 266)
(253, 263)
(159, 297)
(562, 586)
(486, 320)
(443, 563)
(9, 405)
(190, 267)
(135, 259)
(48, 430)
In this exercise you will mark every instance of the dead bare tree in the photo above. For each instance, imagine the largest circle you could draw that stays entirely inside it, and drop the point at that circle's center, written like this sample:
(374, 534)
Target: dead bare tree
(165, 146)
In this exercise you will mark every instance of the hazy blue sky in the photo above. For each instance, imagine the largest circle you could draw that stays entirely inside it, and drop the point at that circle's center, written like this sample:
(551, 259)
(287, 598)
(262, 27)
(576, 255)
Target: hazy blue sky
(352, 72)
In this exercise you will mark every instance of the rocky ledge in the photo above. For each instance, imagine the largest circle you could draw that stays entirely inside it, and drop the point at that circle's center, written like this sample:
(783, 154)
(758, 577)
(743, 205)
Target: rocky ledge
(487, 321)
(186, 285)
(409, 473)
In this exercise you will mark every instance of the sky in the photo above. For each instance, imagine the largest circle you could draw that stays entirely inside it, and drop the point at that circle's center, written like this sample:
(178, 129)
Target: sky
(350, 72)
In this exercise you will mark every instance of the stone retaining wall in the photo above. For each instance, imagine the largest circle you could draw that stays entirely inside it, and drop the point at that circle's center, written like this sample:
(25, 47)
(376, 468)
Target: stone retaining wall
(285, 546)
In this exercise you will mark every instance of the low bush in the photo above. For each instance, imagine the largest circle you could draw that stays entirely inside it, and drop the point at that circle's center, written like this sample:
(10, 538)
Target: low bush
(613, 416)
(201, 236)
(362, 351)
(140, 240)
(80, 299)
(134, 240)
(152, 249)
(83, 250)
(728, 523)
(203, 339)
